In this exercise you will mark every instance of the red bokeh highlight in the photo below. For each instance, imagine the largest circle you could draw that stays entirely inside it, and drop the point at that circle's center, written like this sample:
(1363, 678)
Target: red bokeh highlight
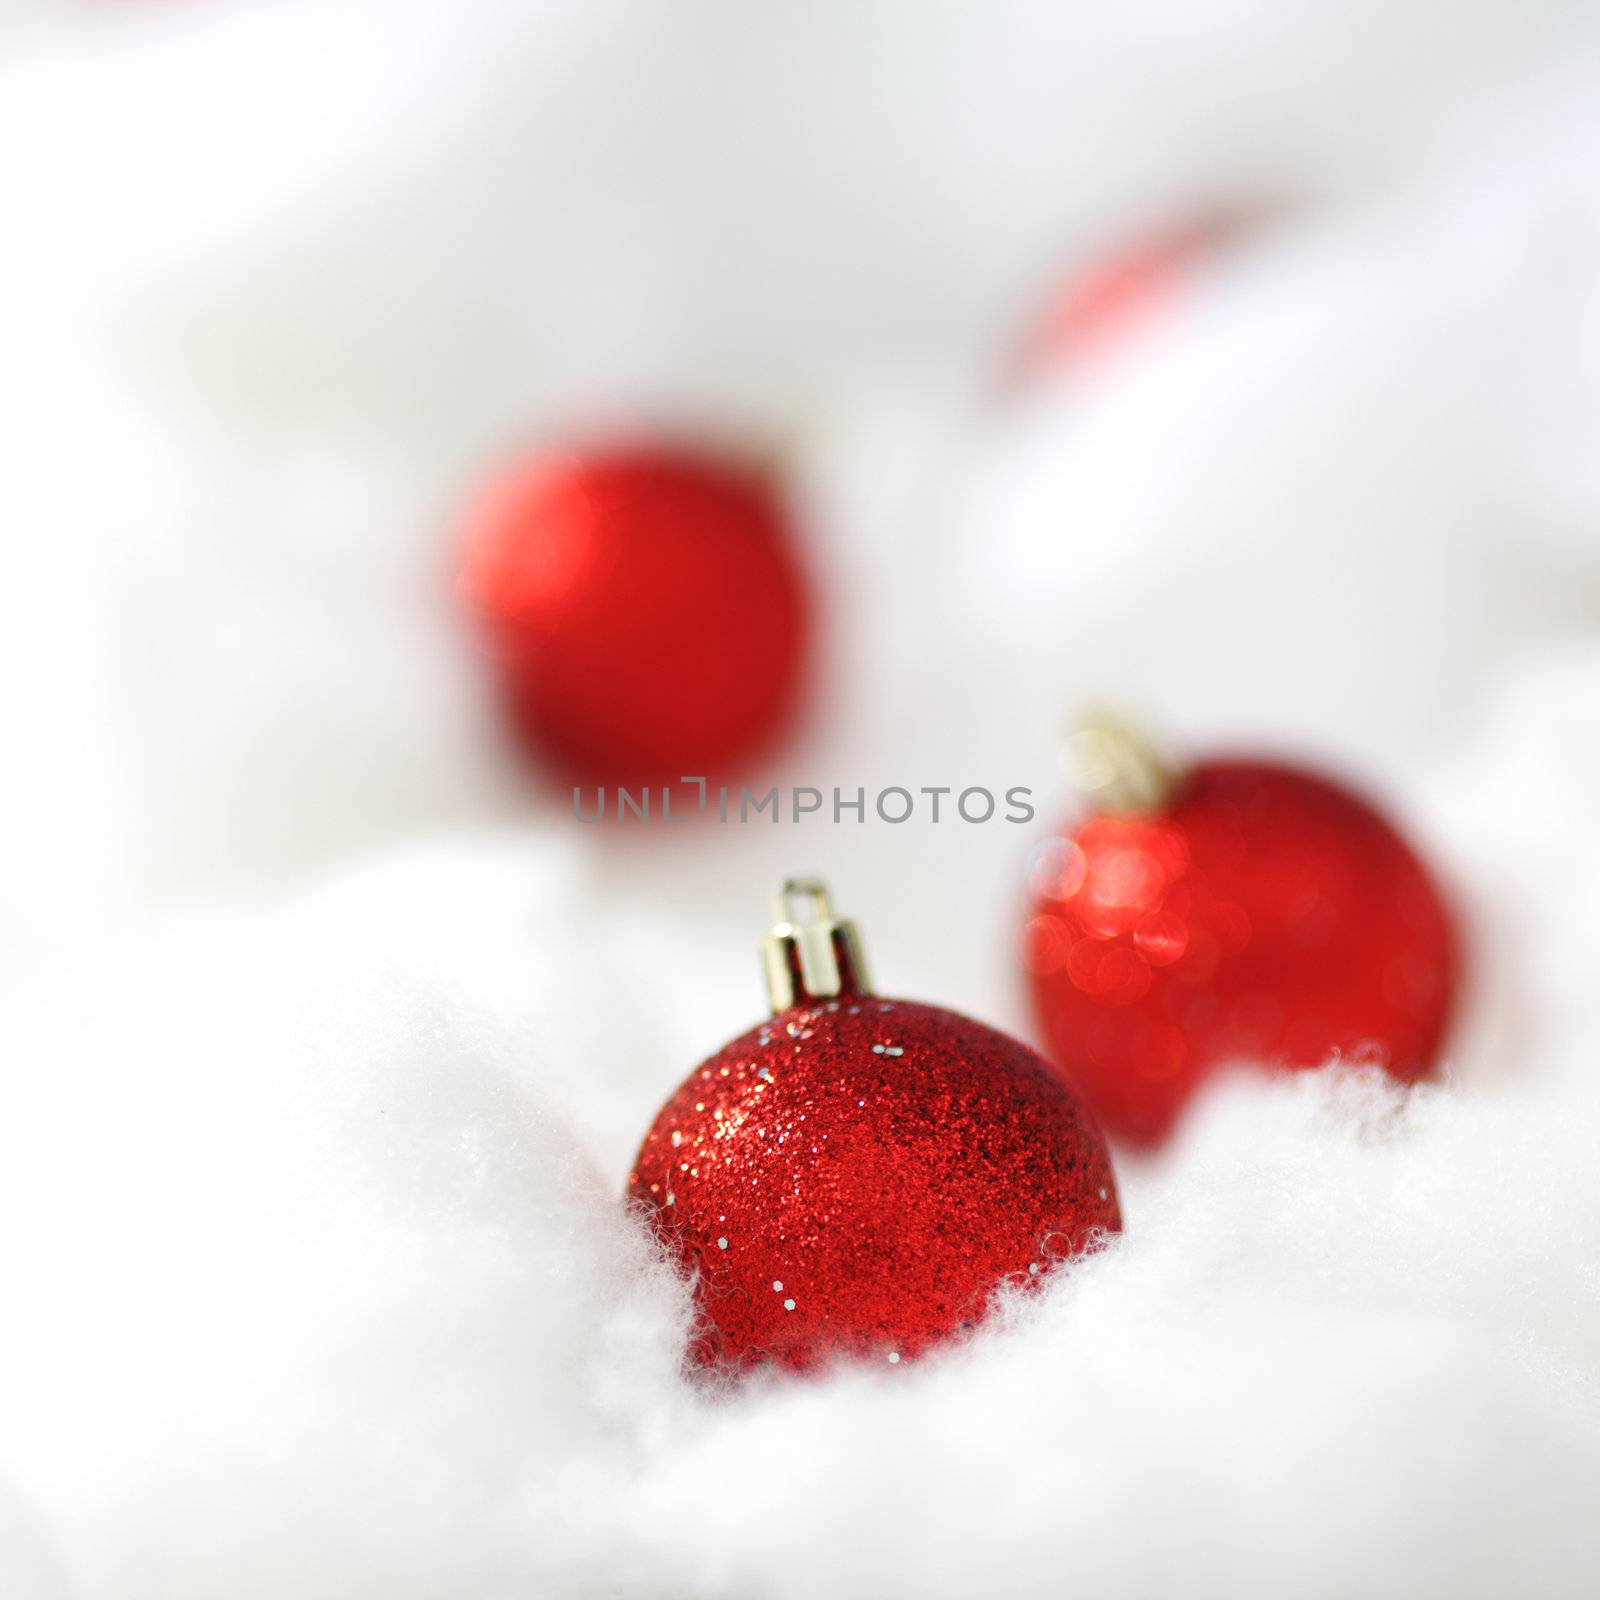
(1101, 306)
(1265, 914)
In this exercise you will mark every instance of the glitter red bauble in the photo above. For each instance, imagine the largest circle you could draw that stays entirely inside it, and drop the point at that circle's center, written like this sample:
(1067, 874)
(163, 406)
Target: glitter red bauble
(857, 1176)
(1262, 914)
(645, 609)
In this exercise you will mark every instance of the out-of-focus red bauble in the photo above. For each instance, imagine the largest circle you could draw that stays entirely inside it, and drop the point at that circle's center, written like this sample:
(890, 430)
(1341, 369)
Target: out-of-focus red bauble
(645, 608)
(857, 1176)
(1260, 914)
(1102, 305)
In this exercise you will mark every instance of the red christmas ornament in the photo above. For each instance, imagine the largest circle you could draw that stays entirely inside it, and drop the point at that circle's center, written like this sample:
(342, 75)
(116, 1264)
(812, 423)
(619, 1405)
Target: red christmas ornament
(1241, 911)
(644, 607)
(857, 1176)
(1101, 306)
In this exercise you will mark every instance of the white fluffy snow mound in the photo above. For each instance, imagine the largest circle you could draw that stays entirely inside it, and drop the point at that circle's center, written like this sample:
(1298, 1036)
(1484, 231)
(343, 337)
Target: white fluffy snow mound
(326, 1036)
(321, 1283)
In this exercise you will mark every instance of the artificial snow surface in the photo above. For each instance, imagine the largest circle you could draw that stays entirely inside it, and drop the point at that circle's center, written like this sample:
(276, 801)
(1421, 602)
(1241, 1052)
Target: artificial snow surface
(325, 1038)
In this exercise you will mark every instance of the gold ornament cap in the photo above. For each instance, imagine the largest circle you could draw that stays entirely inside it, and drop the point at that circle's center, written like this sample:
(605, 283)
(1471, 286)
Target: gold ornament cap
(1115, 768)
(809, 953)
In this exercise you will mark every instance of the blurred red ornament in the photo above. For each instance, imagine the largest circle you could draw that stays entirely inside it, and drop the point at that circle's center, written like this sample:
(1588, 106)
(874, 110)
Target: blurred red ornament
(1240, 911)
(645, 609)
(1099, 307)
(857, 1176)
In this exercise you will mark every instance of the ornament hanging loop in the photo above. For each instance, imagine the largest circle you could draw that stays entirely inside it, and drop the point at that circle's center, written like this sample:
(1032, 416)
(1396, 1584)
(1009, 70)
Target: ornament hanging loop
(808, 953)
